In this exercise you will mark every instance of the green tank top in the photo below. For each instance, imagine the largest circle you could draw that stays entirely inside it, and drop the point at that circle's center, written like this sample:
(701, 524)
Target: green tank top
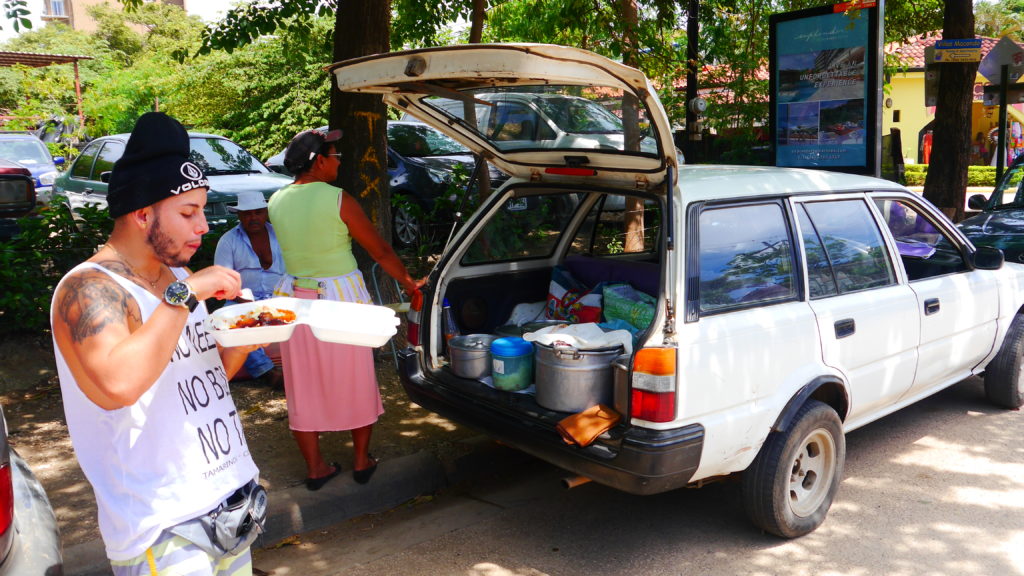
(314, 240)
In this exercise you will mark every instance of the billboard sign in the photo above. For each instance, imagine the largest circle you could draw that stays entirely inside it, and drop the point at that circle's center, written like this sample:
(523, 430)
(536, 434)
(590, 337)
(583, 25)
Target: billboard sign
(825, 88)
(958, 50)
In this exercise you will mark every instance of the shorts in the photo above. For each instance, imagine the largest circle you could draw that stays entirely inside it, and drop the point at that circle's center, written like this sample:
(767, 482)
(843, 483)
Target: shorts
(172, 555)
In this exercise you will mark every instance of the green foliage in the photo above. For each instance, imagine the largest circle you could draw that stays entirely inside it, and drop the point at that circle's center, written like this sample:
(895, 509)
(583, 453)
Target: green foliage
(17, 12)
(50, 243)
(984, 176)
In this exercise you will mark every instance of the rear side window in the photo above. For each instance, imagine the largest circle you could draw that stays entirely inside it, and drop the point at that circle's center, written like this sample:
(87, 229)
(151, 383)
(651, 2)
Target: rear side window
(111, 153)
(522, 229)
(845, 233)
(83, 166)
(619, 224)
(746, 257)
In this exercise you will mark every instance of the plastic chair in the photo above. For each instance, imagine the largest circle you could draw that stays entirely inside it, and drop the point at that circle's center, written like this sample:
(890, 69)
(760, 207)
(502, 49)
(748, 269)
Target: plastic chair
(386, 290)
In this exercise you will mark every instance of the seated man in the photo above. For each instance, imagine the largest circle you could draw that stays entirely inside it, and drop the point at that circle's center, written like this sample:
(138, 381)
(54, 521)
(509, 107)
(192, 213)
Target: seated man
(251, 248)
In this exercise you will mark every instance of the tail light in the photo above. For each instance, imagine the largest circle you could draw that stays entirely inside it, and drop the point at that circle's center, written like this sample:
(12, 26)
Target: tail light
(6, 498)
(413, 316)
(653, 396)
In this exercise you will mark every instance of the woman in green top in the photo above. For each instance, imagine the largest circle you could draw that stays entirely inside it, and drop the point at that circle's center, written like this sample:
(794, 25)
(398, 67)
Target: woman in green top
(328, 386)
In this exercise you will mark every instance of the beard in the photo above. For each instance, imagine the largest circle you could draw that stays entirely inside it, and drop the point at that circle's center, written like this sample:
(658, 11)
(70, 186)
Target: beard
(163, 246)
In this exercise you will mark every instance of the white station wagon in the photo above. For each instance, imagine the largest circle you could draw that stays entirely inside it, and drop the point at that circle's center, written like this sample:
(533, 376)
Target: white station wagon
(770, 310)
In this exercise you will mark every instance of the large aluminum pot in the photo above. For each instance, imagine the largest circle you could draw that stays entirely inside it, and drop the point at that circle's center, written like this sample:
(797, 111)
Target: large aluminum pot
(572, 380)
(470, 355)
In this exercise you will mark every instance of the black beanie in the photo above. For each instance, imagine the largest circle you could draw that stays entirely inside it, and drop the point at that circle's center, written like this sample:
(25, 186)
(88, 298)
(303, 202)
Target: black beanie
(154, 166)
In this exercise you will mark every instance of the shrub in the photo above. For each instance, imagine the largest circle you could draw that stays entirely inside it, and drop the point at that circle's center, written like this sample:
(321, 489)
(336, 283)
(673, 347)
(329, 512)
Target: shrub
(976, 175)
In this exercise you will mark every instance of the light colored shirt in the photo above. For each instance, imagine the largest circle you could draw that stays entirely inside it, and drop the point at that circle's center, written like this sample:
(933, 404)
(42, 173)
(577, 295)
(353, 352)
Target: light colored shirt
(234, 250)
(171, 456)
(314, 239)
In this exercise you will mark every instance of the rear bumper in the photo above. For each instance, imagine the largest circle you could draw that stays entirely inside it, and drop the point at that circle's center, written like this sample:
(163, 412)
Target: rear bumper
(638, 460)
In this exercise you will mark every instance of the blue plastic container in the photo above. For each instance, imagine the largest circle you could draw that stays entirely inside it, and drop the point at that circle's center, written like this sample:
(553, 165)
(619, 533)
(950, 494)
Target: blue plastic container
(511, 363)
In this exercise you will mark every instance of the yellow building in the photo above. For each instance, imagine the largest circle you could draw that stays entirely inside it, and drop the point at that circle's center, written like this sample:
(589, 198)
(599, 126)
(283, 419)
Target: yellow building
(905, 107)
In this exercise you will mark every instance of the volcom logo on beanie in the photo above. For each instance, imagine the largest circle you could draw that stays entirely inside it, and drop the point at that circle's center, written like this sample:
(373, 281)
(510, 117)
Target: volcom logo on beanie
(195, 177)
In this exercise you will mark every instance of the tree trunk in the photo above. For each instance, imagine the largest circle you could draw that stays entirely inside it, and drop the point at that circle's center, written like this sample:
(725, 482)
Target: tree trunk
(946, 182)
(634, 216)
(361, 28)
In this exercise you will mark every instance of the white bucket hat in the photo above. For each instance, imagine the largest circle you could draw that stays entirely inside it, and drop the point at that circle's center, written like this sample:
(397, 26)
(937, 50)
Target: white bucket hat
(249, 201)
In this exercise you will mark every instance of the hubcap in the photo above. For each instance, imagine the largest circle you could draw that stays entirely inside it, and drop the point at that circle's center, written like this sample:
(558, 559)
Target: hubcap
(407, 228)
(812, 472)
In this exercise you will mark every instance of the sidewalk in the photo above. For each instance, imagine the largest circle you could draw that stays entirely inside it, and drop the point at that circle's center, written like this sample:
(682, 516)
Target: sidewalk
(296, 510)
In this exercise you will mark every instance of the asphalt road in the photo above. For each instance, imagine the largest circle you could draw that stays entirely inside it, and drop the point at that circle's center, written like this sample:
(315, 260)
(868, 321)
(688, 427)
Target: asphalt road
(935, 489)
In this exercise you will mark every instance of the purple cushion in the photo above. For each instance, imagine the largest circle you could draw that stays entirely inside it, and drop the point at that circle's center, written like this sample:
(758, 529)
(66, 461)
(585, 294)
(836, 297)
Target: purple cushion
(644, 276)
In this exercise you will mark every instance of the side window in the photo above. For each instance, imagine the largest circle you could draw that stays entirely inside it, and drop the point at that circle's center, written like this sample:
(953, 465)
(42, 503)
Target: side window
(523, 228)
(820, 280)
(604, 231)
(853, 244)
(83, 165)
(746, 256)
(111, 153)
(924, 249)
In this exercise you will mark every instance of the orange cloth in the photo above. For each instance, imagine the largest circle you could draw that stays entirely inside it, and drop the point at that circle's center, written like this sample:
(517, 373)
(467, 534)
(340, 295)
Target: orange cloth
(585, 427)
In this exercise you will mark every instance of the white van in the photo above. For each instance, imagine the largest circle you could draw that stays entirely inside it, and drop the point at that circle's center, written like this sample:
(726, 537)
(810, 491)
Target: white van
(767, 311)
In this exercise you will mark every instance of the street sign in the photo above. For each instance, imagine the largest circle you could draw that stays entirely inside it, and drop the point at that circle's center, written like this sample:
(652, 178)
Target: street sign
(958, 50)
(931, 77)
(1014, 94)
(1005, 52)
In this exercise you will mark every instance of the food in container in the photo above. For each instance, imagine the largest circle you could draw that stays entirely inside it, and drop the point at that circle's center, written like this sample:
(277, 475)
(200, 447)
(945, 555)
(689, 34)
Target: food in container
(340, 322)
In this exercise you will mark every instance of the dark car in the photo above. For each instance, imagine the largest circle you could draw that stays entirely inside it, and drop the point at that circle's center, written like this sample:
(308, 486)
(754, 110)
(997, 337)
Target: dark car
(17, 196)
(29, 537)
(230, 168)
(1001, 222)
(421, 167)
(29, 151)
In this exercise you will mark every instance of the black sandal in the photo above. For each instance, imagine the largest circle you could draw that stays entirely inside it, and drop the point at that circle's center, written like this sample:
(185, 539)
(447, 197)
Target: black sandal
(363, 476)
(314, 484)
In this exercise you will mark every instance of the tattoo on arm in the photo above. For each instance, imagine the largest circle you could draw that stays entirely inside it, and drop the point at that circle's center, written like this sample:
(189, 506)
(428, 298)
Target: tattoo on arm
(91, 301)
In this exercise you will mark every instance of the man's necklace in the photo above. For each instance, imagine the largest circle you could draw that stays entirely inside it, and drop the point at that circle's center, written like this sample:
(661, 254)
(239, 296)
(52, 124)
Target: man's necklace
(132, 268)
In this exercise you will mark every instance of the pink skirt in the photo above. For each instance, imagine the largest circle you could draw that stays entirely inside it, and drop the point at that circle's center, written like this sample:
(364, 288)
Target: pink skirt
(329, 386)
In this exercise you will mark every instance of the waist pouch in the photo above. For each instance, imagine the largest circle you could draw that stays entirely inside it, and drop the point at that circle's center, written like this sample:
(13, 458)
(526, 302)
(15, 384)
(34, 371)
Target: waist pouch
(232, 526)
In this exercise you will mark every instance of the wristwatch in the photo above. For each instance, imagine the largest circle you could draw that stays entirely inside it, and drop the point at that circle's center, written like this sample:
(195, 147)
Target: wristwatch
(180, 294)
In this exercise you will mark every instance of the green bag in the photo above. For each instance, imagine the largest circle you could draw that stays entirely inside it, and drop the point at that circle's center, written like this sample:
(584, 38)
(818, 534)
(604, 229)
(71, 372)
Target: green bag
(623, 302)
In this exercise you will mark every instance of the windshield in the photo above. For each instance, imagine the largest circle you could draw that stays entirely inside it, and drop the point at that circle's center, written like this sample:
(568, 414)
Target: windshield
(219, 156)
(26, 152)
(553, 118)
(1011, 188)
(421, 140)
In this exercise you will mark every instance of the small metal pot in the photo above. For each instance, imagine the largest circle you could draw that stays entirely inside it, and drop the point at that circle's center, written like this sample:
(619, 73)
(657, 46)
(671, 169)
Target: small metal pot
(470, 355)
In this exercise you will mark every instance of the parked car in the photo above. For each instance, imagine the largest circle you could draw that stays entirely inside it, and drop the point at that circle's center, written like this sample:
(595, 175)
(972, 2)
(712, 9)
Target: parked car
(421, 167)
(774, 310)
(29, 537)
(30, 152)
(230, 168)
(1001, 221)
(17, 196)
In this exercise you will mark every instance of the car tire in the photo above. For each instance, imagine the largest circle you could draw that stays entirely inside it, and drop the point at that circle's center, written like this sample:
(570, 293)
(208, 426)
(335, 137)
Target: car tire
(1004, 376)
(789, 487)
(405, 227)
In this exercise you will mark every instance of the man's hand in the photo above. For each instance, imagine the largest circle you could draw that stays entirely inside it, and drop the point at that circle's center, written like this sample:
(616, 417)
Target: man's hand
(215, 282)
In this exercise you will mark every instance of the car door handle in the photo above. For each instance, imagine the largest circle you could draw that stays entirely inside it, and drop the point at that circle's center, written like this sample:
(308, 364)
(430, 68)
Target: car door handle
(931, 306)
(845, 327)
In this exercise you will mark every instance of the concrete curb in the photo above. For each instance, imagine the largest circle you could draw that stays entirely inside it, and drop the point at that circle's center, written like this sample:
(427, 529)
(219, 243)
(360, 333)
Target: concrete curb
(296, 510)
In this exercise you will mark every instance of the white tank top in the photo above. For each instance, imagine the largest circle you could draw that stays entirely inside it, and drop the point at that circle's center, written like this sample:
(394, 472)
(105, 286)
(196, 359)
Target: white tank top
(174, 454)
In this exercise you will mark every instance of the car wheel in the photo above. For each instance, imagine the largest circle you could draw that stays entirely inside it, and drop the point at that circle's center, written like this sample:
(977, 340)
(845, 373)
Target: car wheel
(789, 487)
(405, 227)
(1004, 376)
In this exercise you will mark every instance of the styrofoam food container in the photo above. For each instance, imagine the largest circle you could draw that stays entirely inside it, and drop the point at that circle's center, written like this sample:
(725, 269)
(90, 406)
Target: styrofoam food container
(340, 322)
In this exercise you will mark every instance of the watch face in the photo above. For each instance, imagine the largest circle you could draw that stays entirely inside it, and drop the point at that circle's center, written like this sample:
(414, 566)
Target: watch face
(177, 293)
